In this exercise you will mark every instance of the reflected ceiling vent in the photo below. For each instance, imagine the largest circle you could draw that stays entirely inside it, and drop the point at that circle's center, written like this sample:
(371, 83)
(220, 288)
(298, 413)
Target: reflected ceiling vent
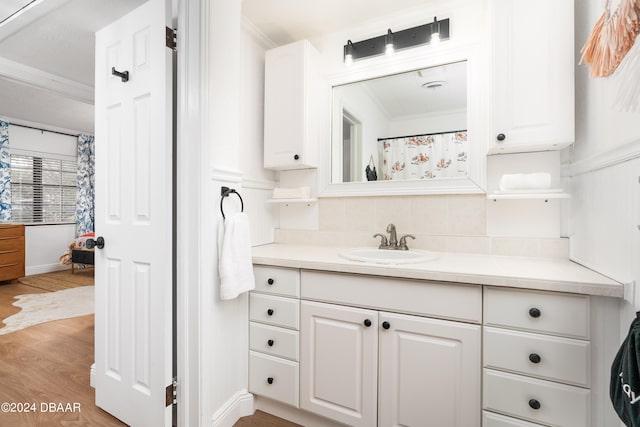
(434, 85)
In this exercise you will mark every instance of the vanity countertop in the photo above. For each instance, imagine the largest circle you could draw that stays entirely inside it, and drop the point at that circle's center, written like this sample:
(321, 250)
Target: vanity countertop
(552, 274)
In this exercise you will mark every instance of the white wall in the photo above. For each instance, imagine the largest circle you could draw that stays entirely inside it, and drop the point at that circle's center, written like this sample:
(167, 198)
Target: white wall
(445, 121)
(604, 213)
(44, 243)
(231, 156)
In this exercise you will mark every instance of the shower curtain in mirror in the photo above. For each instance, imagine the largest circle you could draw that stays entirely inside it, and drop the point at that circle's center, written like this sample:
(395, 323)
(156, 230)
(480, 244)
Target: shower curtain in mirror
(5, 173)
(424, 156)
(85, 182)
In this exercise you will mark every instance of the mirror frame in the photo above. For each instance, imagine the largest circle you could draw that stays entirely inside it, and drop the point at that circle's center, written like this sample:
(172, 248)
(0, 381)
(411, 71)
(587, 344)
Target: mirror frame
(477, 125)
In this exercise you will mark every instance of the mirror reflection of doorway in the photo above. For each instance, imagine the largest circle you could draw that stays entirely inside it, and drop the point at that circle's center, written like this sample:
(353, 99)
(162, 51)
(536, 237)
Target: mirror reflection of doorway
(351, 148)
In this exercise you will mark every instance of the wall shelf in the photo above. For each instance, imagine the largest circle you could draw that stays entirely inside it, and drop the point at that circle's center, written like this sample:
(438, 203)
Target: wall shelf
(313, 200)
(532, 194)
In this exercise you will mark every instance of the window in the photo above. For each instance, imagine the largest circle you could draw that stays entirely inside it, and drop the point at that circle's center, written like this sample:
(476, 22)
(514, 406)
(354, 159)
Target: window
(43, 190)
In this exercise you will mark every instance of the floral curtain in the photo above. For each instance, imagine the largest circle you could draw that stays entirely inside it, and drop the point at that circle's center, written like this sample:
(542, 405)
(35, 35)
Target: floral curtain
(5, 173)
(85, 183)
(425, 157)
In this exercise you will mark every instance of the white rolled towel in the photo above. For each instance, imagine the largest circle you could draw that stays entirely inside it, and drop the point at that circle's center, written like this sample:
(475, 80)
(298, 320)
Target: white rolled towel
(292, 193)
(525, 181)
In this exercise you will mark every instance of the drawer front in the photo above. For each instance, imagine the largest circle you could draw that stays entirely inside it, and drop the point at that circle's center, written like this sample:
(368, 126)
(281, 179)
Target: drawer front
(543, 356)
(277, 281)
(12, 244)
(11, 231)
(11, 271)
(400, 295)
(494, 420)
(11, 256)
(273, 310)
(560, 405)
(274, 341)
(274, 378)
(547, 312)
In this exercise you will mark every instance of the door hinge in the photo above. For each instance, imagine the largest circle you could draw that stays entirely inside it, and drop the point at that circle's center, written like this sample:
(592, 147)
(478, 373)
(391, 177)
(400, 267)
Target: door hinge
(171, 37)
(171, 393)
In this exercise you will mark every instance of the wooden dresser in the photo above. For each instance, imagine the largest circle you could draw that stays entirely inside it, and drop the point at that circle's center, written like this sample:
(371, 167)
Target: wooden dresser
(11, 251)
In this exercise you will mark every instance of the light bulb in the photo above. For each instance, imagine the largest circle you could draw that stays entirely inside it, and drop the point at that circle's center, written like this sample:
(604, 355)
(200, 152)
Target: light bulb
(435, 39)
(348, 59)
(389, 50)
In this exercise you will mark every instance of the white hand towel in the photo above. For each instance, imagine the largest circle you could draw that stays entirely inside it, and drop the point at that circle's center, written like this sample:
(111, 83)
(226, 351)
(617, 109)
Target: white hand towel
(234, 256)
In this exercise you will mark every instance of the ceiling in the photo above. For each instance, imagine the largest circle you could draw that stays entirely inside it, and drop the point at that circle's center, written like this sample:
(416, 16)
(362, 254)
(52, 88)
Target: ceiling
(285, 21)
(56, 37)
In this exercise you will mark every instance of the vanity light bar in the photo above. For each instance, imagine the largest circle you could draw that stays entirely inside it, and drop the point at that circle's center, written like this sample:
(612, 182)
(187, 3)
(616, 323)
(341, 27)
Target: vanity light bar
(403, 39)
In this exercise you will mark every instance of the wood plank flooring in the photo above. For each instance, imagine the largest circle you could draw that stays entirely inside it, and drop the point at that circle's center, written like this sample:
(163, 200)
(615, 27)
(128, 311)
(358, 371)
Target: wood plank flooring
(262, 419)
(48, 363)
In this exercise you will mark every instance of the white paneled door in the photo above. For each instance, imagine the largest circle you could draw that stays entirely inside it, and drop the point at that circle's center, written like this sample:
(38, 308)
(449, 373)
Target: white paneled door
(133, 320)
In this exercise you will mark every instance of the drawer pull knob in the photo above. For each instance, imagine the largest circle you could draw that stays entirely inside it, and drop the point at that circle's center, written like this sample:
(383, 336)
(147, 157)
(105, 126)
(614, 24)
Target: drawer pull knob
(270, 380)
(367, 322)
(270, 312)
(535, 358)
(386, 325)
(270, 281)
(270, 343)
(534, 404)
(501, 137)
(534, 312)
(296, 157)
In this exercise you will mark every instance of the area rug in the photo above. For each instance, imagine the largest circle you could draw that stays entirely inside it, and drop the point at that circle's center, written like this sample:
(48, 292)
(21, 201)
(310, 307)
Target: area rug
(60, 280)
(49, 306)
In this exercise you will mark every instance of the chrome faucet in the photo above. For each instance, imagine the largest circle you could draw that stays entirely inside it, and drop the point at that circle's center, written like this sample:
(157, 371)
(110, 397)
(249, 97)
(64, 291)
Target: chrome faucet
(392, 242)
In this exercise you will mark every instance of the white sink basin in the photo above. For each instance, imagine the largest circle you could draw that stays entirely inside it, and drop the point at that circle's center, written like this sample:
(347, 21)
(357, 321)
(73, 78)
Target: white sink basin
(387, 256)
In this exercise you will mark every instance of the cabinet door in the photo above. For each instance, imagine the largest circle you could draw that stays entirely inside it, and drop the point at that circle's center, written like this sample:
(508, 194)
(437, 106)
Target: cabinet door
(284, 107)
(429, 372)
(338, 363)
(533, 75)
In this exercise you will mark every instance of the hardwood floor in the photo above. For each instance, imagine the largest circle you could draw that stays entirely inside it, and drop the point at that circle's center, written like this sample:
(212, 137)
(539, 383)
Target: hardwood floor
(45, 364)
(262, 419)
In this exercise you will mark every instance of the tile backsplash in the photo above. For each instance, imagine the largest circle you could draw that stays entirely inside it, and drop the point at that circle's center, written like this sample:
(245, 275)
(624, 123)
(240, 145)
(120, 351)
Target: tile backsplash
(442, 223)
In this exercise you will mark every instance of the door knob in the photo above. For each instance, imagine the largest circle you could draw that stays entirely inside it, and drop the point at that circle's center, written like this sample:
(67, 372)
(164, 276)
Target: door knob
(98, 243)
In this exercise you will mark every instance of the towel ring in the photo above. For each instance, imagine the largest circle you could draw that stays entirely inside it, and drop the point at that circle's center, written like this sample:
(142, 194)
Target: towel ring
(224, 192)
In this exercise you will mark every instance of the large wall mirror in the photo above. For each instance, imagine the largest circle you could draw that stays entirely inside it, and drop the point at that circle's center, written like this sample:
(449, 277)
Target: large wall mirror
(412, 132)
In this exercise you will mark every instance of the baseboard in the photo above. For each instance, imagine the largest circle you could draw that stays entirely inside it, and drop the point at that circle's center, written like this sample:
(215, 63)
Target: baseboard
(46, 268)
(240, 405)
(92, 375)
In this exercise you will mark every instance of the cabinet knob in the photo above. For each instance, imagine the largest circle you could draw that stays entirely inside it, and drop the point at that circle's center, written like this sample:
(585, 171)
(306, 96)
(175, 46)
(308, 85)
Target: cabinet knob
(386, 325)
(534, 312)
(501, 137)
(535, 358)
(270, 380)
(534, 404)
(296, 157)
(270, 343)
(367, 322)
(270, 312)
(270, 281)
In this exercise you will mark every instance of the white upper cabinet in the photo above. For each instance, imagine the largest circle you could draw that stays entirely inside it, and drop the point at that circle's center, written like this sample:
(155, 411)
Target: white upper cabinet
(291, 107)
(533, 75)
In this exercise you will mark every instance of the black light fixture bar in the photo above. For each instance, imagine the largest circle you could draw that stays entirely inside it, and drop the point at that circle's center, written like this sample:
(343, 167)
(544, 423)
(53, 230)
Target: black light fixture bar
(402, 39)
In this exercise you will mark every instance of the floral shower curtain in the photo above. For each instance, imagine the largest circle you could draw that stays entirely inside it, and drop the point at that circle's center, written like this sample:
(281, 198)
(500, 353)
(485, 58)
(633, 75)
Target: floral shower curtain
(85, 182)
(425, 156)
(5, 173)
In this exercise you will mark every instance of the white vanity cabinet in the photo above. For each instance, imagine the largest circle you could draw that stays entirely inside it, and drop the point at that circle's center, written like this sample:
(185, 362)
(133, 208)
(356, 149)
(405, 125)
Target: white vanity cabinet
(274, 319)
(541, 359)
(291, 107)
(360, 363)
(533, 75)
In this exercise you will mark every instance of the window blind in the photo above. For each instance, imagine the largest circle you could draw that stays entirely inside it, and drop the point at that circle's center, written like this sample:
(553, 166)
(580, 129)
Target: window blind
(43, 190)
